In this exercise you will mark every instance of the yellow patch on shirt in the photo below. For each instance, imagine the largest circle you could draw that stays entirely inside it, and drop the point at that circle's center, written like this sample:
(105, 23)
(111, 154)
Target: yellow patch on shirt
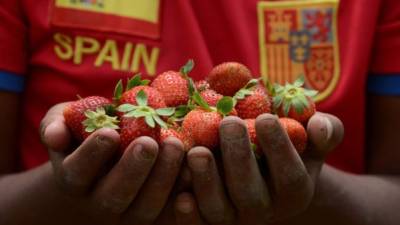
(146, 10)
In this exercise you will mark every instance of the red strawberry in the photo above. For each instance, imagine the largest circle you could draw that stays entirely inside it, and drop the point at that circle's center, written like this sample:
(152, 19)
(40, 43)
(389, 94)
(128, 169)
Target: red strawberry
(173, 86)
(132, 128)
(202, 85)
(227, 78)
(260, 89)
(88, 114)
(155, 98)
(143, 110)
(251, 128)
(203, 127)
(211, 97)
(253, 105)
(294, 101)
(296, 133)
(179, 133)
(302, 117)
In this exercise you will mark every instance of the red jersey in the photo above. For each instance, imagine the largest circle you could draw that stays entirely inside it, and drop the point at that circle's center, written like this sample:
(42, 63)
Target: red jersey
(61, 48)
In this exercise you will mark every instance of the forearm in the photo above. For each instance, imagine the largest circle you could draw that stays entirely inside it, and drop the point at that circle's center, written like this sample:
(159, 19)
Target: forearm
(344, 198)
(33, 198)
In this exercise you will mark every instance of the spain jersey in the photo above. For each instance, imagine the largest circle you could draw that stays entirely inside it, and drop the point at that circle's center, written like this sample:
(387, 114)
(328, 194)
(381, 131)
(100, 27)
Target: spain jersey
(52, 50)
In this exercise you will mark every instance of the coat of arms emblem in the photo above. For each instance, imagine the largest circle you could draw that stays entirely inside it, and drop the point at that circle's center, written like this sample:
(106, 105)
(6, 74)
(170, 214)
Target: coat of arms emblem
(300, 38)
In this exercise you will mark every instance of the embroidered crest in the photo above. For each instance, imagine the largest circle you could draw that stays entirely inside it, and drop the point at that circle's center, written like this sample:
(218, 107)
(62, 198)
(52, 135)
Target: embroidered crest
(300, 38)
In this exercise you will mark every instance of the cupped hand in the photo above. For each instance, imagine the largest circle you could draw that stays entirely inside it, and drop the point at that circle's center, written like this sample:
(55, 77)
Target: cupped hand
(131, 189)
(243, 195)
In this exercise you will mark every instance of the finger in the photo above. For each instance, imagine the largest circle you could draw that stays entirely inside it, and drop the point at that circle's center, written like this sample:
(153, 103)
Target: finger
(186, 211)
(118, 188)
(245, 184)
(291, 183)
(184, 182)
(53, 131)
(154, 193)
(208, 187)
(325, 132)
(79, 169)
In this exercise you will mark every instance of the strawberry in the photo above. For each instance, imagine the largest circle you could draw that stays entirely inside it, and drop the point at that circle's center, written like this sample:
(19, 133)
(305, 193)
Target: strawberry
(142, 114)
(202, 123)
(155, 98)
(252, 100)
(203, 127)
(132, 128)
(251, 129)
(202, 85)
(87, 115)
(294, 101)
(253, 105)
(227, 78)
(211, 97)
(173, 86)
(179, 133)
(296, 133)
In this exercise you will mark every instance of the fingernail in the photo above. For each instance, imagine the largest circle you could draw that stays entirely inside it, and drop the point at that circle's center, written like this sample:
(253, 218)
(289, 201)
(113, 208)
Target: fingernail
(52, 134)
(199, 164)
(104, 142)
(329, 128)
(185, 207)
(143, 153)
(172, 153)
(232, 131)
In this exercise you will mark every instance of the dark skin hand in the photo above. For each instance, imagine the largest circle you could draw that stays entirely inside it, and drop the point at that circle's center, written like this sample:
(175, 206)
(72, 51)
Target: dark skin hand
(342, 197)
(298, 190)
(76, 189)
(244, 196)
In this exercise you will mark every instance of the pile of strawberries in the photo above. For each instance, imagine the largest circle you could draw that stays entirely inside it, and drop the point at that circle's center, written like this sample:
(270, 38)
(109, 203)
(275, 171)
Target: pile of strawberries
(174, 105)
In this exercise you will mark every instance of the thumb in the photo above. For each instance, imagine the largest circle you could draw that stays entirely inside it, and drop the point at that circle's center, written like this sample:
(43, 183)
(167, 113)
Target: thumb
(325, 132)
(54, 132)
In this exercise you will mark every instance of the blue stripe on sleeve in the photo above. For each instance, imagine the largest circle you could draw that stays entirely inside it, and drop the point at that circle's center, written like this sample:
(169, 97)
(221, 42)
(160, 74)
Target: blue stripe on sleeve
(11, 82)
(385, 84)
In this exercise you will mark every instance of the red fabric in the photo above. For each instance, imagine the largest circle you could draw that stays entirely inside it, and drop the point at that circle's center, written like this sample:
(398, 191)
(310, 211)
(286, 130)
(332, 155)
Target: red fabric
(210, 32)
(13, 32)
(385, 57)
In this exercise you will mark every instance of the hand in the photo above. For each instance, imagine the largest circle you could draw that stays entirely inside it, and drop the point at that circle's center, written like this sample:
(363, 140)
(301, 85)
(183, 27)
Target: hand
(133, 190)
(244, 196)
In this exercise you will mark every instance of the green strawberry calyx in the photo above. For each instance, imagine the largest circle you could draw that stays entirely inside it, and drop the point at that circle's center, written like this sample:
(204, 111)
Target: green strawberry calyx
(99, 119)
(187, 68)
(246, 90)
(292, 96)
(151, 116)
(136, 80)
(224, 106)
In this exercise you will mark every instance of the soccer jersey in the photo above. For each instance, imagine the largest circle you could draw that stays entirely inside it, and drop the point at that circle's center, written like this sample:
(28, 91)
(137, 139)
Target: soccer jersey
(61, 48)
